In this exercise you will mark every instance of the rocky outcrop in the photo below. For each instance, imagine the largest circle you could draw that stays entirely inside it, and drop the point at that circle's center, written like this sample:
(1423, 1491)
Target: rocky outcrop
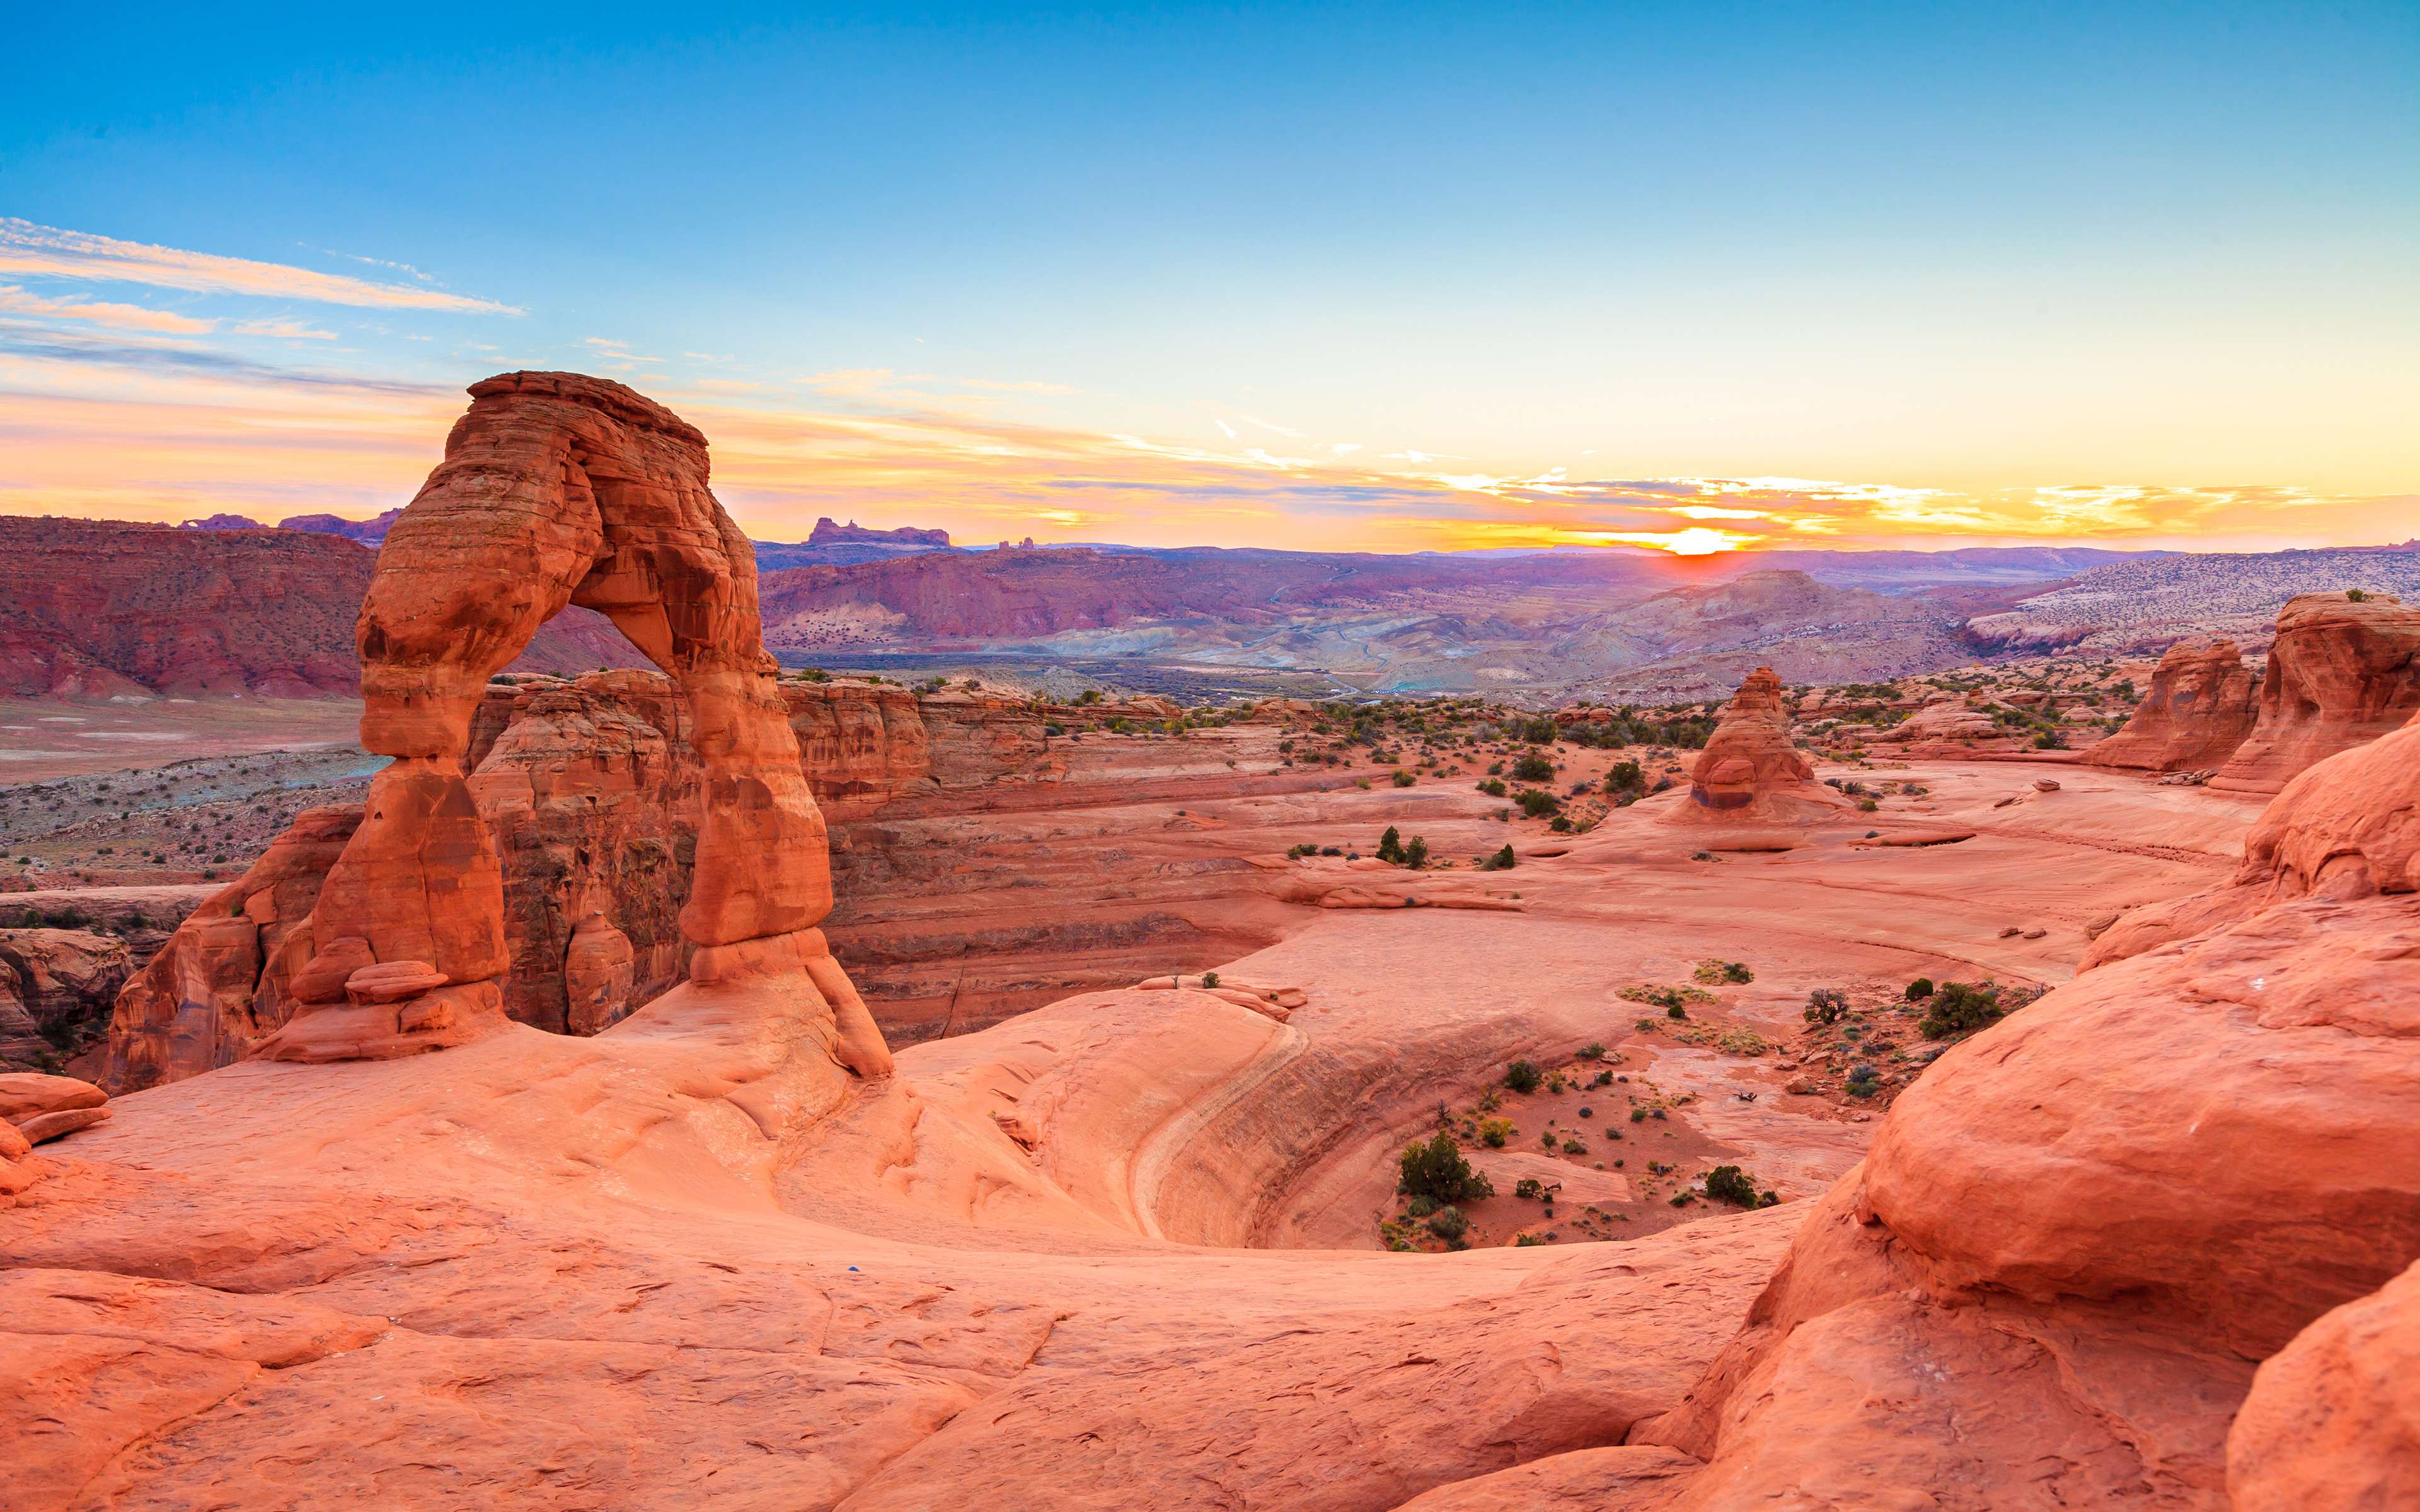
(2074, 1236)
(827, 533)
(1750, 771)
(34, 1109)
(559, 489)
(56, 986)
(2332, 1422)
(1945, 724)
(2198, 710)
(2342, 673)
(2347, 828)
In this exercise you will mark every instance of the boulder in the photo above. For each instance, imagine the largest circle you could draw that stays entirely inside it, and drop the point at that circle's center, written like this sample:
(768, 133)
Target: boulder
(2332, 1422)
(2200, 706)
(65, 1122)
(2341, 674)
(30, 1095)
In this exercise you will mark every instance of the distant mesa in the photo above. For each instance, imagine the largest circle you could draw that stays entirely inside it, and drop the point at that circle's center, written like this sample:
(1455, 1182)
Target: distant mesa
(367, 531)
(225, 522)
(852, 533)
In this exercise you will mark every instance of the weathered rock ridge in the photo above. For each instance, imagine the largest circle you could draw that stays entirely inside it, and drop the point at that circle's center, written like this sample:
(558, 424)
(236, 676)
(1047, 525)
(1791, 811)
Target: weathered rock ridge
(2340, 673)
(2199, 708)
(1750, 771)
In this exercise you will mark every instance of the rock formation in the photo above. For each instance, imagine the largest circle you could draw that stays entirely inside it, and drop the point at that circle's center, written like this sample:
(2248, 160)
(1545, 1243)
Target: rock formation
(2198, 710)
(556, 490)
(2347, 828)
(1750, 772)
(2342, 673)
(34, 1109)
(2073, 1235)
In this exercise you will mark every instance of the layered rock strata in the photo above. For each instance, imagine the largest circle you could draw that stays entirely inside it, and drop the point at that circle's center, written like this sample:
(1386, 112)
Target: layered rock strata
(2200, 706)
(2342, 673)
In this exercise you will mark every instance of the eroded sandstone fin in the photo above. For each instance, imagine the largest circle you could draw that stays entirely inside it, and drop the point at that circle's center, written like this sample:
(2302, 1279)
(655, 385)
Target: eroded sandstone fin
(556, 490)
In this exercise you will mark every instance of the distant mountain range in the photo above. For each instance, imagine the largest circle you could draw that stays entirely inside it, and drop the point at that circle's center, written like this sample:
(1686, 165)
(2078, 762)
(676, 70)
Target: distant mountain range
(228, 607)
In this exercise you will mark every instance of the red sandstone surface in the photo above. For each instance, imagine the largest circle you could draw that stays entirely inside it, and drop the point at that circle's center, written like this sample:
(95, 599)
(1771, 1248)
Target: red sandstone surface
(2142, 1239)
(2342, 673)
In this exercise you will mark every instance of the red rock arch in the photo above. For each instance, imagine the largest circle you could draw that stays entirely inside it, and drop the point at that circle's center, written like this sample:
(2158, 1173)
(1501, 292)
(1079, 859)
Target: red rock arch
(556, 490)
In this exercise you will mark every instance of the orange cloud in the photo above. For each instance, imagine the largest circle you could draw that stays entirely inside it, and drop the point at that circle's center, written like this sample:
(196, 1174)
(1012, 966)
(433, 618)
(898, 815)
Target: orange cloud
(16, 300)
(48, 252)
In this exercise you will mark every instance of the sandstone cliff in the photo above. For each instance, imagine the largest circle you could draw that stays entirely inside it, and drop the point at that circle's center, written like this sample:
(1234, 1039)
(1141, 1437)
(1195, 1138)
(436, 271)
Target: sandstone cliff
(2198, 710)
(2341, 672)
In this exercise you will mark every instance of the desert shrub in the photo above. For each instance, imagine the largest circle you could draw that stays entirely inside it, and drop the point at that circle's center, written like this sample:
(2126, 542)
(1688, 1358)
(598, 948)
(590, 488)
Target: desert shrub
(1639, 1115)
(1723, 971)
(1604, 1078)
(1403, 779)
(1534, 768)
(1391, 845)
(1920, 988)
(1572, 1147)
(1623, 775)
(1526, 1241)
(1415, 853)
(2050, 740)
(1054, 728)
(1727, 1183)
(1664, 997)
(1493, 1132)
(1090, 696)
(1559, 824)
(1500, 861)
(1530, 1187)
(1957, 1007)
(1421, 1207)
(1867, 806)
(1449, 1225)
(1539, 731)
(1209, 979)
(1523, 1076)
(1536, 802)
(1825, 1005)
(1676, 1012)
(1493, 787)
(1438, 1171)
(1298, 852)
(1682, 1200)
(1591, 1051)
(1331, 850)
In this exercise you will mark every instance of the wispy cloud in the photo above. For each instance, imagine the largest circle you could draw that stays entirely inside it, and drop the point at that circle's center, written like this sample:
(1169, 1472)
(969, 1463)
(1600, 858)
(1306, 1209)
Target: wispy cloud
(291, 330)
(1029, 387)
(16, 300)
(30, 249)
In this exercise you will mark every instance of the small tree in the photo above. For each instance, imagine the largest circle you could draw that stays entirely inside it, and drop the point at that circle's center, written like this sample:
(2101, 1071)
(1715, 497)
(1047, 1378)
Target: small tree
(1825, 1005)
(1728, 1183)
(1957, 1007)
(1391, 845)
(1920, 988)
(1415, 853)
(1451, 1226)
(1436, 1171)
(1523, 1076)
(1591, 1051)
(1493, 1132)
(1533, 767)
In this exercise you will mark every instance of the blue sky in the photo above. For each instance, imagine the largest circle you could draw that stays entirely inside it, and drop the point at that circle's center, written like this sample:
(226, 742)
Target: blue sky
(1404, 275)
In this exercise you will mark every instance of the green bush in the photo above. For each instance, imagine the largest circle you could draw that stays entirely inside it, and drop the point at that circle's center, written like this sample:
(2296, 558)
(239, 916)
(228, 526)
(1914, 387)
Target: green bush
(1438, 1171)
(1591, 1051)
(1403, 779)
(1957, 1007)
(1416, 854)
(1500, 861)
(1209, 979)
(1493, 1132)
(1572, 1147)
(1623, 775)
(1676, 1012)
(1727, 1183)
(1825, 1005)
(1534, 768)
(2356, 595)
(1523, 1076)
(1920, 988)
(1391, 845)
(1536, 802)
(1639, 1115)
(1449, 1225)
(1491, 788)
(1530, 1187)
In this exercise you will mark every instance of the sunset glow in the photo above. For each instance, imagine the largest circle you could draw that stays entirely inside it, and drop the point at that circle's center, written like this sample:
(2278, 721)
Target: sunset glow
(1345, 376)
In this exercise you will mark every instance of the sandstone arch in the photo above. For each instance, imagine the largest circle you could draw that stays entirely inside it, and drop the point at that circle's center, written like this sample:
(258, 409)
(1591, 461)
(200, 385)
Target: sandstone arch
(556, 490)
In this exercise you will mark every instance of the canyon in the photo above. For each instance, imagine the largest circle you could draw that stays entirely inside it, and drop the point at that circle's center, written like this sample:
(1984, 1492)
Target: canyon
(725, 1088)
